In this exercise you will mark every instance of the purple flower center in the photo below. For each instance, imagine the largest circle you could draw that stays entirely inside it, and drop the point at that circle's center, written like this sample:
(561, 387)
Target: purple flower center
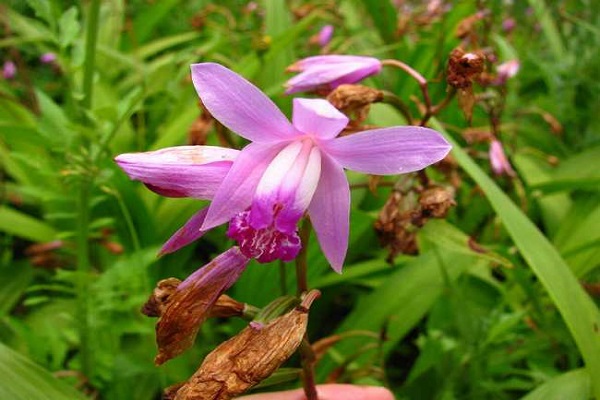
(267, 230)
(265, 244)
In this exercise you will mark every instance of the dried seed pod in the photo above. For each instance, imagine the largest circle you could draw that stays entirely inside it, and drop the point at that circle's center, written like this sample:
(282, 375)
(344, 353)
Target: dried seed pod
(435, 201)
(248, 358)
(355, 100)
(463, 68)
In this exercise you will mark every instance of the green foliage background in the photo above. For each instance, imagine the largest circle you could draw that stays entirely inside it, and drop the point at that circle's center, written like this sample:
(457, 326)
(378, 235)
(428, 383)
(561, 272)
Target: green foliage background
(448, 323)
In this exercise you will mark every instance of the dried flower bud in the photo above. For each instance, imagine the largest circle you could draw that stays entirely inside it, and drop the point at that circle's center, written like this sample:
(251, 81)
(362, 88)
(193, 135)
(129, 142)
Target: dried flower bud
(463, 68)
(190, 303)
(247, 358)
(477, 135)
(226, 307)
(158, 300)
(436, 201)
(394, 226)
(466, 102)
(354, 99)
(466, 27)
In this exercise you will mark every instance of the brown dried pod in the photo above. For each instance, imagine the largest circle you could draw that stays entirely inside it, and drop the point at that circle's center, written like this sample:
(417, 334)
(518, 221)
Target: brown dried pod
(436, 201)
(463, 68)
(189, 305)
(354, 100)
(248, 358)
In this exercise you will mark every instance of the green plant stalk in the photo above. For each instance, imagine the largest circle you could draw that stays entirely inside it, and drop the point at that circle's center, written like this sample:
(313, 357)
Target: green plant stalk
(89, 65)
(83, 211)
(83, 270)
(577, 309)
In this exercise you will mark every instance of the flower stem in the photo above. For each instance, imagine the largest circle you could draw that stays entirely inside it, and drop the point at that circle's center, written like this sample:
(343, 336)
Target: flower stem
(422, 84)
(307, 355)
(301, 266)
(398, 104)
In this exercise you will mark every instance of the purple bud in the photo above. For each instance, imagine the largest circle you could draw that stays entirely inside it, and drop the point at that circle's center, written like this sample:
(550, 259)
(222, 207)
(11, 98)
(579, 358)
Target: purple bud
(508, 25)
(48, 58)
(9, 70)
(507, 70)
(498, 161)
(325, 35)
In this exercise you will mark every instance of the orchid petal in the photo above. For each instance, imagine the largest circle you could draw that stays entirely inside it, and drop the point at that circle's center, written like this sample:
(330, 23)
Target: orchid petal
(186, 234)
(329, 212)
(330, 72)
(239, 105)
(395, 150)
(318, 117)
(190, 304)
(174, 171)
(237, 189)
(331, 59)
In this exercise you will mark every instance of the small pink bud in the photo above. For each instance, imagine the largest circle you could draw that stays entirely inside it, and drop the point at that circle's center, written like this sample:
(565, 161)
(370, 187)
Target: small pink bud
(498, 160)
(48, 58)
(325, 35)
(9, 70)
(508, 25)
(506, 71)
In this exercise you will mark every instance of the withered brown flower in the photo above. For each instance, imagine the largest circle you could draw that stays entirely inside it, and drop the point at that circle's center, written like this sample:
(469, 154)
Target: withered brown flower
(247, 358)
(190, 303)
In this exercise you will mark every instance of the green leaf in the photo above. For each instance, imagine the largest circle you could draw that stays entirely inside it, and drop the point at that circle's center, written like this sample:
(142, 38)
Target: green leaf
(147, 20)
(42, 9)
(401, 301)
(68, 27)
(21, 379)
(15, 278)
(576, 308)
(19, 224)
(573, 385)
(384, 18)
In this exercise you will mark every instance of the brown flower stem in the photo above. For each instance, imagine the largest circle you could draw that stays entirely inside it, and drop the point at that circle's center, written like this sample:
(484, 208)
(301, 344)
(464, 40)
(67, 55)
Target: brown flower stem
(308, 358)
(420, 80)
(398, 104)
(307, 355)
(439, 107)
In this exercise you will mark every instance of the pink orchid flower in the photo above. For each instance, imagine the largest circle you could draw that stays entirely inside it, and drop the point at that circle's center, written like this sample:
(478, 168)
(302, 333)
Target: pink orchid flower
(287, 169)
(330, 71)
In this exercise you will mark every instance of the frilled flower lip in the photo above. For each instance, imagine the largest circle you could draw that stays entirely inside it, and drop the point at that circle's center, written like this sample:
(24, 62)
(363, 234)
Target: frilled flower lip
(230, 178)
(330, 71)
